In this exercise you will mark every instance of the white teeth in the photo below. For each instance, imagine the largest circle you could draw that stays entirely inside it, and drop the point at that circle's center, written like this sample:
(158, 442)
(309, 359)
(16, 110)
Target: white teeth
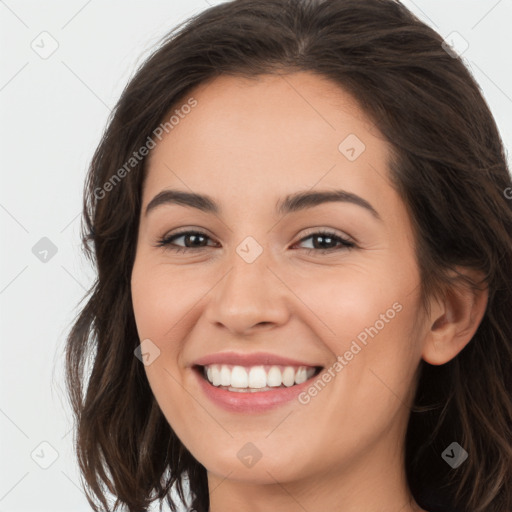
(239, 377)
(289, 376)
(274, 377)
(225, 376)
(257, 377)
(301, 376)
(215, 375)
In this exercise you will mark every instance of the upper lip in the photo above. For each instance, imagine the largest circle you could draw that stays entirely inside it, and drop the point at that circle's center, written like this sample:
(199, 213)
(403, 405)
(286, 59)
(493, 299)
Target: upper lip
(254, 359)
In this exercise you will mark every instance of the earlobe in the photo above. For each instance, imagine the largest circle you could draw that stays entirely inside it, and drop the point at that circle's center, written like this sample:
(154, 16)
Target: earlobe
(454, 319)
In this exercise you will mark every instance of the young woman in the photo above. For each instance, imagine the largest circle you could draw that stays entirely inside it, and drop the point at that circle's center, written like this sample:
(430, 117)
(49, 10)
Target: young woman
(300, 215)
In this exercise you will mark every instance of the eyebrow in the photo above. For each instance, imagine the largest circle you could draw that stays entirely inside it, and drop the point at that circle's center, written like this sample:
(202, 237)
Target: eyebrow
(291, 203)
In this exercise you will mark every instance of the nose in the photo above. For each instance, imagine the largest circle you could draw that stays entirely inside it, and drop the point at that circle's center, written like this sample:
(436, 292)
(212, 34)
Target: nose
(249, 297)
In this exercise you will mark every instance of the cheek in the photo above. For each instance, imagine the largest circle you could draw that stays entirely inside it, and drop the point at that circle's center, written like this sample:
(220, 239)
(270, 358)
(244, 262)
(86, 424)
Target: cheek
(162, 298)
(372, 331)
(163, 305)
(375, 354)
(167, 303)
(355, 304)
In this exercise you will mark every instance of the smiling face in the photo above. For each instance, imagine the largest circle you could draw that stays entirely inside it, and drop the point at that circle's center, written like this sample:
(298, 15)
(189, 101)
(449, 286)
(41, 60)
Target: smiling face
(324, 283)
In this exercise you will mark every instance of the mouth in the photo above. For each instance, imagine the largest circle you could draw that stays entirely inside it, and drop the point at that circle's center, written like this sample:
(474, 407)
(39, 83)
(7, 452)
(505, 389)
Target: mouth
(257, 378)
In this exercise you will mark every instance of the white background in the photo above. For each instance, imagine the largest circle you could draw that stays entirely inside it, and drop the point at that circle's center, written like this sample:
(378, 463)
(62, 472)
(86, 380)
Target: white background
(53, 112)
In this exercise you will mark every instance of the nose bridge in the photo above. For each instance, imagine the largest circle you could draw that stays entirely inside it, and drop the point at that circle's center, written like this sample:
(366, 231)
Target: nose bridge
(248, 294)
(247, 282)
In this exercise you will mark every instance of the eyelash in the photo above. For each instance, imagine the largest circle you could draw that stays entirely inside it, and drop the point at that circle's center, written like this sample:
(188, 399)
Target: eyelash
(166, 242)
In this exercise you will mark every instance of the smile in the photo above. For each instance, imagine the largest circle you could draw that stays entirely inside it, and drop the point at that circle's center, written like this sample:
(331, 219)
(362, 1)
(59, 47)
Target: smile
(253, 389)
(242, 379)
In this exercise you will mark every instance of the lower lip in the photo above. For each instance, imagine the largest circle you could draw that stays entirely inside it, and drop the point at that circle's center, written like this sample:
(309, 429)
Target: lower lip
(248, 402)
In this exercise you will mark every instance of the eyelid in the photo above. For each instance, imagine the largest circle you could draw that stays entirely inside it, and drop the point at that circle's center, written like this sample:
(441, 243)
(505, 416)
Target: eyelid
(327, 230)
(165, 240)
(308, 232)
(343, 240)
(187, 230)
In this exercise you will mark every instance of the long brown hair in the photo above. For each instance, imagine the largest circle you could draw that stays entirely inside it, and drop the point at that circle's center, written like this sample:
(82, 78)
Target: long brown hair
(450, 169)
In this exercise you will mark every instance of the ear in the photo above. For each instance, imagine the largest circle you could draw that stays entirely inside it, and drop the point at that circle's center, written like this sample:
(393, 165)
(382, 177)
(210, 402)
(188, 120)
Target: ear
(455, 318)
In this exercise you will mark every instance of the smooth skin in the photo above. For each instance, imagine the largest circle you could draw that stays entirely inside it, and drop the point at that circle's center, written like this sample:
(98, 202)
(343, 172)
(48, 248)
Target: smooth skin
(247, 144)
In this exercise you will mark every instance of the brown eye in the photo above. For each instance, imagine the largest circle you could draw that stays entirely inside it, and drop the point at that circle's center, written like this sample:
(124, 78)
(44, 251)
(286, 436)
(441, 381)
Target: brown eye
(193, 240)
(327, 241)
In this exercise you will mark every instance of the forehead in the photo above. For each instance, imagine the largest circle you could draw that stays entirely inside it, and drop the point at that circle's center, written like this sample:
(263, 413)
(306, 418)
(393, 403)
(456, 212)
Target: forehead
(298, 130)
